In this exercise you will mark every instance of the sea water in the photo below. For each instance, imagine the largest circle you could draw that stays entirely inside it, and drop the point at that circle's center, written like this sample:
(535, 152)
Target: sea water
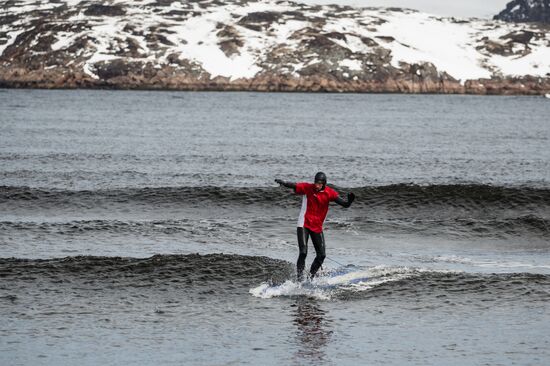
(145, 227)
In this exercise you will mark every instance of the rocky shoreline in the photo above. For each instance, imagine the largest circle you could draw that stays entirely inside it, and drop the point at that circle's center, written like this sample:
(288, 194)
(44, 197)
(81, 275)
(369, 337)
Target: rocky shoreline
(42, 79)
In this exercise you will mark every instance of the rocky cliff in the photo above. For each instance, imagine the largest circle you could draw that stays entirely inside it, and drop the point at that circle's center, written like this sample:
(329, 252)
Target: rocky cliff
(526, 11)
(265, 45)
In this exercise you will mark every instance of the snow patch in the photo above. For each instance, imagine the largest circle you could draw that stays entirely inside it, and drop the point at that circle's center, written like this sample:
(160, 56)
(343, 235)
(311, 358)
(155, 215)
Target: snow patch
(202, 47)
(12, 36)
(445, 44)
(352, 64)
(102, 34)
(537, 63)
(64, 40)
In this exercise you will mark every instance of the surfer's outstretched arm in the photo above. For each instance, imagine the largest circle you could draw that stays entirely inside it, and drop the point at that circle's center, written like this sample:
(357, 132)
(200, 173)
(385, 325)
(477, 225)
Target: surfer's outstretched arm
(286, 184)
(345, 203)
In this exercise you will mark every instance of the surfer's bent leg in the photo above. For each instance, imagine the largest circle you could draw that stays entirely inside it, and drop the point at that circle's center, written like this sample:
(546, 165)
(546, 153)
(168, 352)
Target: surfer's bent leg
(318, 240)
(302, 245)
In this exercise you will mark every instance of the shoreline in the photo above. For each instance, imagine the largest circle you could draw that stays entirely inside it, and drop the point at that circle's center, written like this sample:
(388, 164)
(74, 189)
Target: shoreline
(507, 87)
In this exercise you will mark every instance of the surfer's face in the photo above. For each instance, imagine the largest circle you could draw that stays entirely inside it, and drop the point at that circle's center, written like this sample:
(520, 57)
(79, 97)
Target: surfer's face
(318, 186)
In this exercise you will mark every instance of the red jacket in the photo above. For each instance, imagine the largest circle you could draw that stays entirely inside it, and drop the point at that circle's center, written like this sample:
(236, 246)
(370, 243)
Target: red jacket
(314, 206)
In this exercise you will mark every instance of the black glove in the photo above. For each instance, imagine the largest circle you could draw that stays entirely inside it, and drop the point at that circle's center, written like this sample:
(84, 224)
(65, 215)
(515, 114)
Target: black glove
(351, 197)
(286, 184)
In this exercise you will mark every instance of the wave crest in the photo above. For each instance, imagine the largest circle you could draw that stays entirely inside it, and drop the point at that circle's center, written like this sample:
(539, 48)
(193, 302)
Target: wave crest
(400, 195)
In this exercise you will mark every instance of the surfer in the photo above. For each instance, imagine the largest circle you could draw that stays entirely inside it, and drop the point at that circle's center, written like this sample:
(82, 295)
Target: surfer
(315, 201)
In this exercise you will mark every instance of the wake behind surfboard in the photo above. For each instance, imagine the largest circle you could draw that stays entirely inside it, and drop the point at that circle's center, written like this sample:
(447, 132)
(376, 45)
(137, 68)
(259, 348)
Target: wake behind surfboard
(322, 286)
(341, 282)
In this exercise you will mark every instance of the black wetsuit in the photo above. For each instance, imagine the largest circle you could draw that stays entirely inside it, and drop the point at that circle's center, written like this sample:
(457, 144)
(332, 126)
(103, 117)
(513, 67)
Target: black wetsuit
(318, 240)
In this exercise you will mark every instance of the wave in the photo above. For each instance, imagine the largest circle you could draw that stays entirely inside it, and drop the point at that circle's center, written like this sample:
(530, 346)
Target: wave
(501, 228)
(496, 227)
(160, 195)
(267, 278)
(192, 269)
(109, 226)
(392, 196)
(459, 211)
(350, 283)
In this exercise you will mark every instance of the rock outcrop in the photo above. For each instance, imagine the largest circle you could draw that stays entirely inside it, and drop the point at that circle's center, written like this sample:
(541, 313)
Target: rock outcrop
(526, 11)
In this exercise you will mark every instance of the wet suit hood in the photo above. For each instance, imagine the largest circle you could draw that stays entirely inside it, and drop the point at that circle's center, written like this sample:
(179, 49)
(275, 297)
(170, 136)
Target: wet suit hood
(321, 177)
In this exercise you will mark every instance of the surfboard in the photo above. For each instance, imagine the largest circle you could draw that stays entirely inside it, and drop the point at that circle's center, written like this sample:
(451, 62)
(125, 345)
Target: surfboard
(322, 286)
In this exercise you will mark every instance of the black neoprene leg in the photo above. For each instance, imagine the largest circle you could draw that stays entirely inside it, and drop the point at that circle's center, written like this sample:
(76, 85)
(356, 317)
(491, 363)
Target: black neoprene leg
(303, 235)
(318, 240)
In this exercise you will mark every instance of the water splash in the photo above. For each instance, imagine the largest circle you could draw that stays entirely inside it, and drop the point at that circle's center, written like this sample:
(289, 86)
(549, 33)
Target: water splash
(335, 283)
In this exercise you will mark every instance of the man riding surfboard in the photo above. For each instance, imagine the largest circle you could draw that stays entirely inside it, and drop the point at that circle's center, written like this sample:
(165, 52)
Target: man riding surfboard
(315, 202)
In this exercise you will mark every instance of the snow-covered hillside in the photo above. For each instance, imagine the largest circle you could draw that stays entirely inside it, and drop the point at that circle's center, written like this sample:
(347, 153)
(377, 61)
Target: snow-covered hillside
(202, 44)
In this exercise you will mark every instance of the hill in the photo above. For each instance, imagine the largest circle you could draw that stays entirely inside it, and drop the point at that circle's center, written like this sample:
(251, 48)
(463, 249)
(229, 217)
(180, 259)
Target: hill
(265, 45)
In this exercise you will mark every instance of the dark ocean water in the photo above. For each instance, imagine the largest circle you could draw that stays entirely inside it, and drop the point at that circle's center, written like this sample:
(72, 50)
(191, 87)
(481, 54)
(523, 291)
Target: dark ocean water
(145, 227)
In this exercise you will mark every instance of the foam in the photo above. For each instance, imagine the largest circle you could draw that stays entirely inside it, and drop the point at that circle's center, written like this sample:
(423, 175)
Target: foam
(348, 279)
